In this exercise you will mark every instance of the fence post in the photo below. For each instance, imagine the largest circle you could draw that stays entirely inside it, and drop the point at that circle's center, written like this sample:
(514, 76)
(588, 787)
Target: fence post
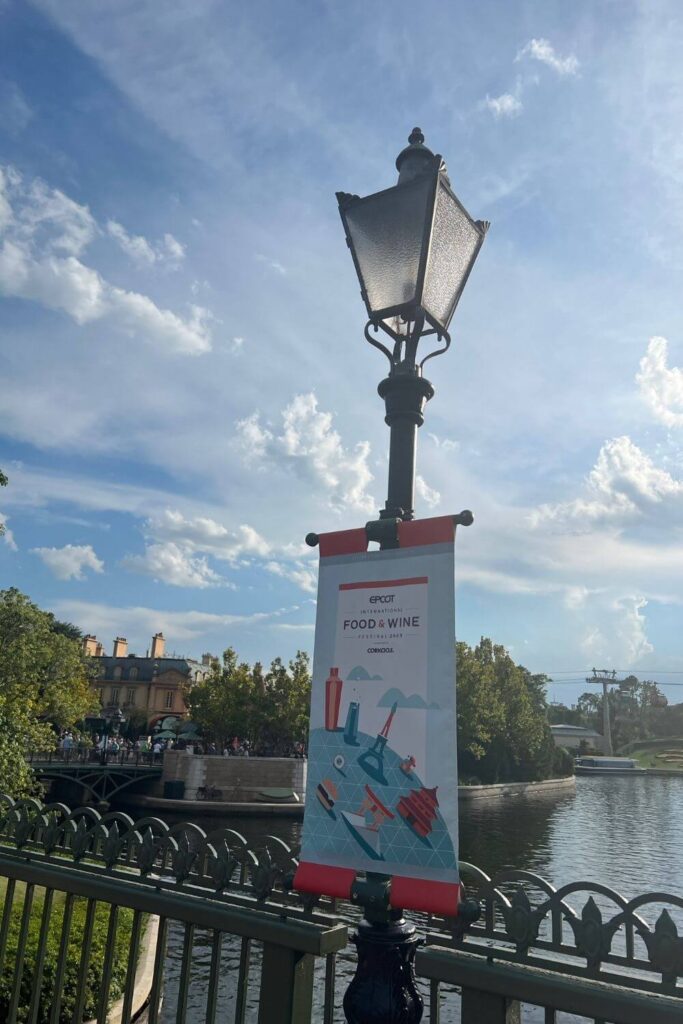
(286, 986)
(479, 1007)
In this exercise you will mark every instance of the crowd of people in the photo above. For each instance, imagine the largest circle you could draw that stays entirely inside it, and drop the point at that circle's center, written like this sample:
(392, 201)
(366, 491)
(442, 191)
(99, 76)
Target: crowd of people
(72, 744)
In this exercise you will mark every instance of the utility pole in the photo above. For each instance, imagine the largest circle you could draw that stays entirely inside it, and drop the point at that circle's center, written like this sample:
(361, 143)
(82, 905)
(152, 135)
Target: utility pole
(606, 678)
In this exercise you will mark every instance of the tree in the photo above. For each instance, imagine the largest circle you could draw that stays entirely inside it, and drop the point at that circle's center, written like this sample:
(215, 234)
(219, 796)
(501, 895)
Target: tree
(269, 709)
(503, 733)
(44, 683)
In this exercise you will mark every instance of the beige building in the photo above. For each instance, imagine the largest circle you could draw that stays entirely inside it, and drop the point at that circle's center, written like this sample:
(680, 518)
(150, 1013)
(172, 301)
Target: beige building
(148, 688)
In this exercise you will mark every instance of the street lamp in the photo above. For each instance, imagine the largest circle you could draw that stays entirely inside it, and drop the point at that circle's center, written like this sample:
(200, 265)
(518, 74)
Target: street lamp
(413, 247)
(113, 720)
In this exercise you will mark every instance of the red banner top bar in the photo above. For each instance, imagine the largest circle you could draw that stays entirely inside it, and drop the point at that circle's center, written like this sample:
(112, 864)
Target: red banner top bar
(416, 533)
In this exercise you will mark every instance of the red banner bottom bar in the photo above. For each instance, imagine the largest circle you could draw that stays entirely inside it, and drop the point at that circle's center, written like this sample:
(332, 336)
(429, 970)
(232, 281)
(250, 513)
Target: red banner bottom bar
(440, 898)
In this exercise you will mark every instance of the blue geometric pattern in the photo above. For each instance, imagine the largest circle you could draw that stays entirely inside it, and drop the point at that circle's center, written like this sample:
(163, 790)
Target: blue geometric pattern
(328, 835)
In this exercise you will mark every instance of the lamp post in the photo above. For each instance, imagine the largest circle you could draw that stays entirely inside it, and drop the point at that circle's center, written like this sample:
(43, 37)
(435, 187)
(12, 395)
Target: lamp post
(413, 247)
(114, 718)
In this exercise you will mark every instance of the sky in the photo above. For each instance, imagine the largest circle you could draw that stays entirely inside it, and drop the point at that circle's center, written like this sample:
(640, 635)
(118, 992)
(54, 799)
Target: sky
(185, 391)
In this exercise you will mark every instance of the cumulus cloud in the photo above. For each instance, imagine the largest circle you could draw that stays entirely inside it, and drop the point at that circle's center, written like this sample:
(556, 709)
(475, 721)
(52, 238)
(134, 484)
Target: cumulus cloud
(506, 105)
(170, 563)
(429, 495)
(543, 51)
(620, 637)
(169, 251)
(43, 233)
(661, 386)
(69, 562)
(305, 576)
(201, 533)
(308, 444)
(6, 534)
(624, 485)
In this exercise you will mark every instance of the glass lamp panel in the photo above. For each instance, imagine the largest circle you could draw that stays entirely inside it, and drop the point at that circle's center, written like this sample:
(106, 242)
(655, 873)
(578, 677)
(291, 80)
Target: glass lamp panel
(454, 243)
(387, 233)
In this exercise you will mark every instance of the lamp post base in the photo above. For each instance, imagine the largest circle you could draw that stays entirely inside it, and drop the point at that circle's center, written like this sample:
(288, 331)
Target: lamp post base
(383, 988)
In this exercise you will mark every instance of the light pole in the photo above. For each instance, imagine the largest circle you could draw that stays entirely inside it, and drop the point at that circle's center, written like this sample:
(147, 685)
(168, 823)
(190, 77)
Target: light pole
(114, 718)
(413, 247)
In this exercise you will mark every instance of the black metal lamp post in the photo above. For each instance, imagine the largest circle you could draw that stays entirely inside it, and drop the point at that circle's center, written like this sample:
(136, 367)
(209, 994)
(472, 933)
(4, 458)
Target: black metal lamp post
(113, 720)
(413, 246)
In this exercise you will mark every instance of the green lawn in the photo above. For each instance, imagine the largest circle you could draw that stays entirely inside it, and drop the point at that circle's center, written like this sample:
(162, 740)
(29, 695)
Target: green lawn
(73, 964)
(667, 758)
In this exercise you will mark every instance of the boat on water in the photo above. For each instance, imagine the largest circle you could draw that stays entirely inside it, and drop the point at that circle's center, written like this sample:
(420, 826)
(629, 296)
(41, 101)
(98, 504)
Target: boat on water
(608, 766)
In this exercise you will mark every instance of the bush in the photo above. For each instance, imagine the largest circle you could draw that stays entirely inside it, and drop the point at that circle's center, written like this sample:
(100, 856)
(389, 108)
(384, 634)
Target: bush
(72, 973)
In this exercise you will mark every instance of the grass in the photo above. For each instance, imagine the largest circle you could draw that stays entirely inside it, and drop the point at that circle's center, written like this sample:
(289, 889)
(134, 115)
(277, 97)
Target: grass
(668, 758)
(95, 965)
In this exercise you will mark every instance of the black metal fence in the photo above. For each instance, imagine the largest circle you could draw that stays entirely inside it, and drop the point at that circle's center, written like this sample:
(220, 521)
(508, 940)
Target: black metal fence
(140, 912)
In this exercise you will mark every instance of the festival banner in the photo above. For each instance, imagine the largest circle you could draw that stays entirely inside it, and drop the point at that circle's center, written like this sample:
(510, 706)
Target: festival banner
(382, 791)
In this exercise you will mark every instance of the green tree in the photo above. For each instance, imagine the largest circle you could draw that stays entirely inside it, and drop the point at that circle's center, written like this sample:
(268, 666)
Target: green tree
(222, 705)
(44, 683)
(503, 732)
(269, 709)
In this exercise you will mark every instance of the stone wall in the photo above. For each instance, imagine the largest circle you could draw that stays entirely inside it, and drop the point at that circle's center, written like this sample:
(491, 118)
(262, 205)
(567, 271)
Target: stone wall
(238, 778)
(511, 790)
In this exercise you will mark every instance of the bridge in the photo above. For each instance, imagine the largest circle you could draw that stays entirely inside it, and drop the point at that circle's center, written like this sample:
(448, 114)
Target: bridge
(103, 776)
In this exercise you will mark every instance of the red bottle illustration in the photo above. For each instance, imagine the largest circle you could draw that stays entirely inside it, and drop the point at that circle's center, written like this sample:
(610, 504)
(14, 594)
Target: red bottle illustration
(333, 693)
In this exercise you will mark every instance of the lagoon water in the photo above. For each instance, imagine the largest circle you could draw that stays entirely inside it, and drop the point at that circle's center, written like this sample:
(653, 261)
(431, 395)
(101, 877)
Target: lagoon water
(626, 832)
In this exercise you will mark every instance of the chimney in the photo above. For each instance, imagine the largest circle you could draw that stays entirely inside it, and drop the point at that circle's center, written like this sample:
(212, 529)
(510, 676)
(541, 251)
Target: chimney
(90, 645)
(120, 647)
(207, 659)
(158, 645)
(99, 652)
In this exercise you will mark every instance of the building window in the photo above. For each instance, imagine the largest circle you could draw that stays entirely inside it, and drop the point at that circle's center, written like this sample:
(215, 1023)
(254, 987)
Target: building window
(169, 699)
(133, 674)
(114, 694)
(117, 672)
(130, 696)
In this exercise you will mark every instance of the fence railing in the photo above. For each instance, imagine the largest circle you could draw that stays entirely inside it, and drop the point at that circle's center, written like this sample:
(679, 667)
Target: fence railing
(97, 907)
(93, 755)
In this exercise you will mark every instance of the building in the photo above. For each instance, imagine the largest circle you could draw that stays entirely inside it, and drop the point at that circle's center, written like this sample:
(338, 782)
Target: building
(576, 737)
(148, 688)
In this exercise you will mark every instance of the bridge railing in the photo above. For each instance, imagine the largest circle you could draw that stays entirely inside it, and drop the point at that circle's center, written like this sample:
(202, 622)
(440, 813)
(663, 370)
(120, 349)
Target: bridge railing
(93, 755)
(213, 925)
(209, 923)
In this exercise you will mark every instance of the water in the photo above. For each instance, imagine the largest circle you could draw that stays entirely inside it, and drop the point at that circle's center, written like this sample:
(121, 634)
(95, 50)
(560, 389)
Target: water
(624, 832)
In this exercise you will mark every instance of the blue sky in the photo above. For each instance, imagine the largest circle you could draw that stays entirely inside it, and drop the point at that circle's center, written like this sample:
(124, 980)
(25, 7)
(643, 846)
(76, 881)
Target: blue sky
(185, 387)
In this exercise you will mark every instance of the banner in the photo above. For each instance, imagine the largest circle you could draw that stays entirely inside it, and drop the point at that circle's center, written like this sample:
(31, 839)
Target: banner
(382, 792)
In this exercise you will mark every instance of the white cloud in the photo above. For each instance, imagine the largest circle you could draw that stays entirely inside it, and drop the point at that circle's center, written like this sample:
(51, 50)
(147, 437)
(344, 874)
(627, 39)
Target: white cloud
(308, 444)
(444, 444)
(169, 251)
(430, 496)
(624, 485)
(138, 623)
(621, 635)
(661, 386)
(42, 234)
(505, 105)
(201, 533)
(69, 562)
(275, 265)
(543, 51)
(236, 344)
(305, 576)
(170, 563)
(7, 536)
